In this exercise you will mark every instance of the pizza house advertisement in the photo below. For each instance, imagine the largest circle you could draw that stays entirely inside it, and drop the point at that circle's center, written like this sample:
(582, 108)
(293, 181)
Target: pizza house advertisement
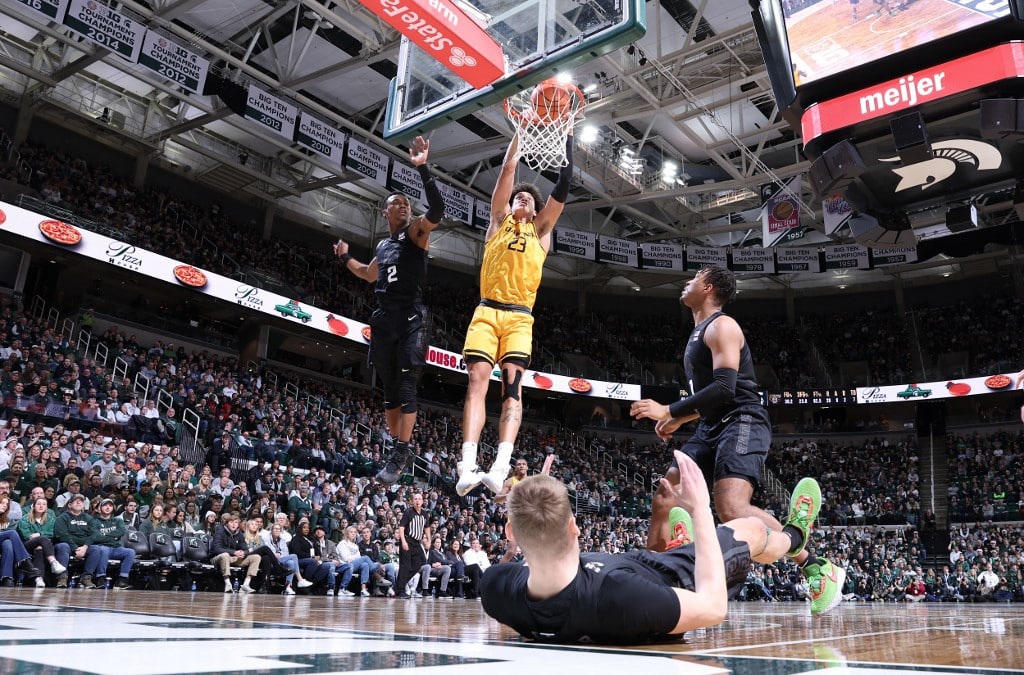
(927, 391)
(104, 249)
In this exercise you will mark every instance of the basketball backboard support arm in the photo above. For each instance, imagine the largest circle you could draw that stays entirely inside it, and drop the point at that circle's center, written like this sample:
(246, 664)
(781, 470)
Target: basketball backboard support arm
(541, 39)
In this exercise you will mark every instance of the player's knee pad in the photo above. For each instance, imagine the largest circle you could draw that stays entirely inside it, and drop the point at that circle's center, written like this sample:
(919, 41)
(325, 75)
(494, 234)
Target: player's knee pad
(407, 389)
(511, 382)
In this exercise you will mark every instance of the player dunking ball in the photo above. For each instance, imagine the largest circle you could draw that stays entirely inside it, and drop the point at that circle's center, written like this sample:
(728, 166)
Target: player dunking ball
(732, 438)
(501, 331)
(399, 327)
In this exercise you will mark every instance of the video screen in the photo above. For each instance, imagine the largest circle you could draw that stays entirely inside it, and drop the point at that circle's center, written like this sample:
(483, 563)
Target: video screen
(829, 36)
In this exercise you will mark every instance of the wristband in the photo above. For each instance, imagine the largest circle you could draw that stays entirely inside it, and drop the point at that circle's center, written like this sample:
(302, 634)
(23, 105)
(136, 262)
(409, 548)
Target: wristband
(345, 257)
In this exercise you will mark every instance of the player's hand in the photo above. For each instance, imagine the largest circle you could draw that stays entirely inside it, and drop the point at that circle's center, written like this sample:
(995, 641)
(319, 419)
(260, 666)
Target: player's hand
(418, 151)
(341, 248)
(692, 490)
(665, 428)
(649, 409)
(549, 461)
(1019, 380)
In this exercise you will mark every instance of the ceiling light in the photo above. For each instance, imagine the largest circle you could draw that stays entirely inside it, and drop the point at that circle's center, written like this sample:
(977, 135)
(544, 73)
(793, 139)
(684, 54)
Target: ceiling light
(842, 286)
(588, 134)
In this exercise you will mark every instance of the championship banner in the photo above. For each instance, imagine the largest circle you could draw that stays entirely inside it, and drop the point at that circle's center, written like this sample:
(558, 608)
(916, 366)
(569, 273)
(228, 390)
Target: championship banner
(793, 260)
(698, 257)
(481, 214)
(109, 29)
(918, 391)
(69, 239)
(661, 257)
(893, 256)
(753, 259)
(457, 204)
(847, 257)
(406, 179)
(320, 137)
(367, 161)
(780, 212)
(617, 251)
(836, 212)
(272, 112)
(53, 10)
(575, 243)
(174, 62)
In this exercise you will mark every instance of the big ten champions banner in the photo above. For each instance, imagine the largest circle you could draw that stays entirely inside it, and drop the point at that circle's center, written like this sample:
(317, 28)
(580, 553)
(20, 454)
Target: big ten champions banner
(661, 256)
(753, 259)
(699, 257)
(271, 112)
(617, 251)
(320, 137)
(576, 243)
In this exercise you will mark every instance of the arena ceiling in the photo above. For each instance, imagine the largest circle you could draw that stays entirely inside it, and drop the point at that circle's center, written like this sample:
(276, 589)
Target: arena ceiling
(693, 91)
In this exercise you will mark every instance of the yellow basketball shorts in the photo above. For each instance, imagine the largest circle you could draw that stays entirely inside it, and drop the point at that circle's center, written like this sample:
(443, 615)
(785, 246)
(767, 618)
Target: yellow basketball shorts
(495, 335)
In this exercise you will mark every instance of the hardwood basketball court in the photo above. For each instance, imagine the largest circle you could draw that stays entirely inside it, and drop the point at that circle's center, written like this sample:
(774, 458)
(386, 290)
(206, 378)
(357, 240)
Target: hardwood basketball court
(55, 632)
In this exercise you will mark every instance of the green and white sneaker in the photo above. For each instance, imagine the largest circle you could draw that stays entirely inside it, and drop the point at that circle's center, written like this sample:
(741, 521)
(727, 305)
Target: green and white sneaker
(680, 526)
(803, 510)
(826, 584)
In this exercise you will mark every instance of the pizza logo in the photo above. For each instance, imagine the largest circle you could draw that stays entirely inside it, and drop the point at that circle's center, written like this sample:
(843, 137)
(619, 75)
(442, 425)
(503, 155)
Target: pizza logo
(60, 232)
(580, 386)
(190, 276)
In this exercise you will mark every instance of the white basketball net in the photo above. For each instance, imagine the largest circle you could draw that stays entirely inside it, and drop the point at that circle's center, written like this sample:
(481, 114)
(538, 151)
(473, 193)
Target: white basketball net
(542, 142)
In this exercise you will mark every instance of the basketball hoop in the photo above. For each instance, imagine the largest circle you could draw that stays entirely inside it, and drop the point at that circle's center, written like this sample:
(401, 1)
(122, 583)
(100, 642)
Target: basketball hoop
(543, 117)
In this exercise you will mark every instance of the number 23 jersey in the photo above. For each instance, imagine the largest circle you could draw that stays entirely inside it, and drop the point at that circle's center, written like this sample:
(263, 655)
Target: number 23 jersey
(513, 264)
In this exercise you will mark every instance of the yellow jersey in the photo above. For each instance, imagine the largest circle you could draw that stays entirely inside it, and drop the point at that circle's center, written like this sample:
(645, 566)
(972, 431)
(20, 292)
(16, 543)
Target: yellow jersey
(513, 263)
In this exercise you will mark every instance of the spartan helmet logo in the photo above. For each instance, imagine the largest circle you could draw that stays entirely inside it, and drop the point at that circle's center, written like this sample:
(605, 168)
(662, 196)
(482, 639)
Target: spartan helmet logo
(982, 156)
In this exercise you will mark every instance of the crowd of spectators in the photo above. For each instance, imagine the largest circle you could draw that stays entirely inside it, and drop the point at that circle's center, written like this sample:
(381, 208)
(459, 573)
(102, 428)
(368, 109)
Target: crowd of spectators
(306, 467)
(895, 348)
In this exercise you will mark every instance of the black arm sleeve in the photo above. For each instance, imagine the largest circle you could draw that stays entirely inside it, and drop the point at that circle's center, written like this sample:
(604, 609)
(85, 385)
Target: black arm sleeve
(435, 204)
(561, 189)
(721, 389)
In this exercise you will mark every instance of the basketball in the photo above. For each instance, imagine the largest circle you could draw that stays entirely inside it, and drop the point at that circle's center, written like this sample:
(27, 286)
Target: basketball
(551, 101)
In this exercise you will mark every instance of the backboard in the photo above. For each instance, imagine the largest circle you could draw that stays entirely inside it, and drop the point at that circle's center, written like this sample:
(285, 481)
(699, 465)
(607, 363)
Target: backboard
(540, 38)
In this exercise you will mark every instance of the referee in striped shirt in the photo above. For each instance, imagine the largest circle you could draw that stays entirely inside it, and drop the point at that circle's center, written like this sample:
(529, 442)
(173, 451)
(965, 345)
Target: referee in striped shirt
(411, 555)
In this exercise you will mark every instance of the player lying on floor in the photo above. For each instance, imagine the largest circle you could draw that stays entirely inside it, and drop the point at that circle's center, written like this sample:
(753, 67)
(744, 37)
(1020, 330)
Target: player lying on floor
(561, 595)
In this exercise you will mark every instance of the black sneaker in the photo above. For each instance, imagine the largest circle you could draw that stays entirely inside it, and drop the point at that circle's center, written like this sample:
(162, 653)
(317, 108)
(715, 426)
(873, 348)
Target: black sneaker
(7, 582)
(395, 464)
(122, 583)
(100, 582)
(27, 568)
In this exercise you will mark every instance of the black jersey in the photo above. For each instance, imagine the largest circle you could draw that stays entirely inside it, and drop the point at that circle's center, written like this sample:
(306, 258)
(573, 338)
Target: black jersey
(699, 365)
(615, 598)
(401, 270)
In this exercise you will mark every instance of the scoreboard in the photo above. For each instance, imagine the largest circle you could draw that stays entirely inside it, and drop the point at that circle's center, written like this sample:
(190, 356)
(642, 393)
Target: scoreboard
(788, 397)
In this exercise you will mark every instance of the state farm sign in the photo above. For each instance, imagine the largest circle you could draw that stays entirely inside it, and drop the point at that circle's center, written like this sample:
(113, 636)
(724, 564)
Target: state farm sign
(443, 30)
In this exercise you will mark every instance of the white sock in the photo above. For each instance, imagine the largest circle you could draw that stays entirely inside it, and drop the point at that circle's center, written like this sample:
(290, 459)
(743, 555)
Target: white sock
(504, 458)
(468, 462)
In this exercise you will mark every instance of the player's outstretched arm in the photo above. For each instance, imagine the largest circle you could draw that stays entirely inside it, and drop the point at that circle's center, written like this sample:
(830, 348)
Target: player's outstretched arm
(428, 222)
(708, 603)
(503, 188)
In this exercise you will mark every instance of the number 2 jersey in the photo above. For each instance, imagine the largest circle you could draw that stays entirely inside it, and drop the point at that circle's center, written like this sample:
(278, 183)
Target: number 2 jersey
(513, 264)
(401, 271)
